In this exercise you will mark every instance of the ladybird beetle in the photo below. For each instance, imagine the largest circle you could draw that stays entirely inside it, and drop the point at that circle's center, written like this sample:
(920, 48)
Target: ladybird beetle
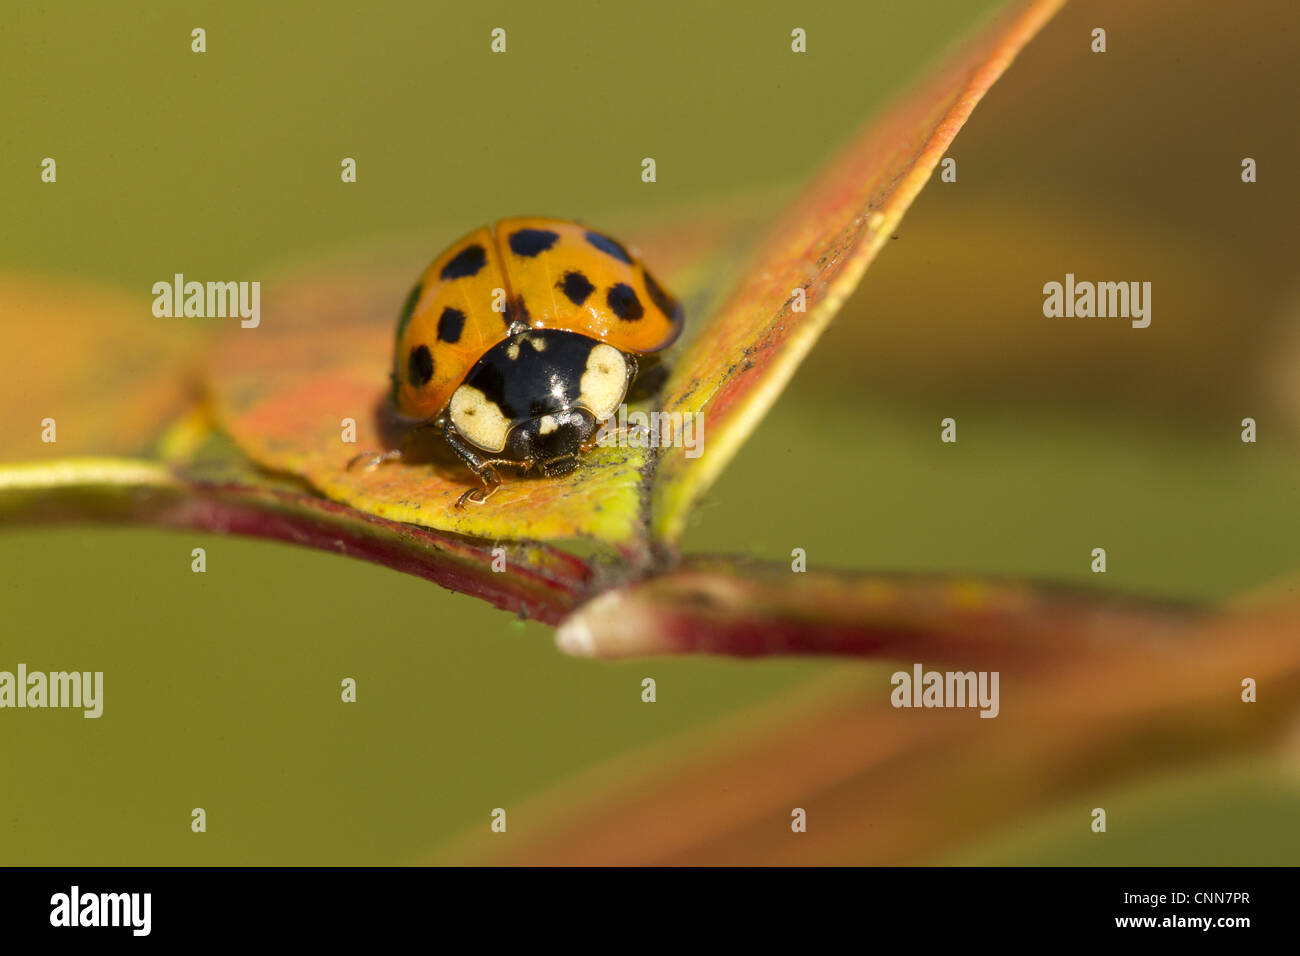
(521, 340)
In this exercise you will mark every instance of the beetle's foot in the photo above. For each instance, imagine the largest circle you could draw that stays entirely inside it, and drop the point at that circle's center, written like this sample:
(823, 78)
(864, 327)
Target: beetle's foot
(370, 460)
(491, 483)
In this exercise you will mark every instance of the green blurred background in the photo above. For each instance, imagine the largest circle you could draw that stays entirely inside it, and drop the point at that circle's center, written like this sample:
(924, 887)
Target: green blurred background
(222, 688)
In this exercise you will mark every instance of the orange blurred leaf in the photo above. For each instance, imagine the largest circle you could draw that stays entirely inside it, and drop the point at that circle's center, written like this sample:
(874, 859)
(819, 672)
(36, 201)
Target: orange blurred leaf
(97, 361)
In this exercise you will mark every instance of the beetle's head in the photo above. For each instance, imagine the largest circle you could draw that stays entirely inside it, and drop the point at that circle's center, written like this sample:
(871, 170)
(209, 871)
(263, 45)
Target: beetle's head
(540, 395)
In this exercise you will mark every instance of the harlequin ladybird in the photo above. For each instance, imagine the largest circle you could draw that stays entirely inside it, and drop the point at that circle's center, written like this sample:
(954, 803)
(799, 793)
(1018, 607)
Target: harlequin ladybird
(521, 340)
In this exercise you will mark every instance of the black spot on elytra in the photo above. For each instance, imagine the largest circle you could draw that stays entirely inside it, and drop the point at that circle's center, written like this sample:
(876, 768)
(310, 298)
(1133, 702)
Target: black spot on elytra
(532, 242)
(420, 366)
(465, 263)
(408, 310)
(450, 324)
(611, 247)
(666, 303)
(576, 287)
(623, 302)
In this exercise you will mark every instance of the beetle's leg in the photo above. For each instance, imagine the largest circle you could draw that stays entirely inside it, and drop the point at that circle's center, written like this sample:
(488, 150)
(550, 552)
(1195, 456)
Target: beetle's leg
(611, 436)
(525, 466)
(468, 454)
(491, 478)
(370, 460)
(484, 468)
(481, 495)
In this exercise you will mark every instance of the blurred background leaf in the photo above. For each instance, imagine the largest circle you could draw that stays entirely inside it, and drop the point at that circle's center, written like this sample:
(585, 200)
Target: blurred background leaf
(110, 375)
(877, 783)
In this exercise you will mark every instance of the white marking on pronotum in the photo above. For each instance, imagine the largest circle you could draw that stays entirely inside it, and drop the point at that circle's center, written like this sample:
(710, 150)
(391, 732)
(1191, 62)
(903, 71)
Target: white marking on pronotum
(479, 419)
(604, 383)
